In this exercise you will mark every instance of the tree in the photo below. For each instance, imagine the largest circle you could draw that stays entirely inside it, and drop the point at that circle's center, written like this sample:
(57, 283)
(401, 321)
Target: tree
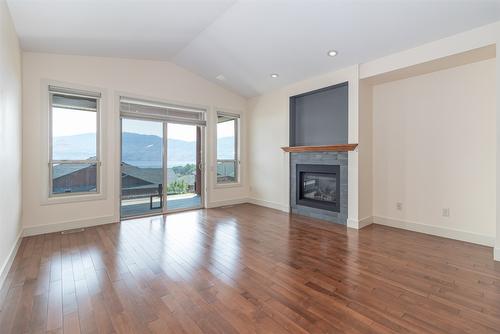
(177, 187)
(188, 169)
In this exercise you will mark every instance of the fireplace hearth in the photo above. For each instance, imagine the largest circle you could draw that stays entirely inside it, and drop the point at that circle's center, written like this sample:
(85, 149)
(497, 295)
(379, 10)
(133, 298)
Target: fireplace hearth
(318, 186)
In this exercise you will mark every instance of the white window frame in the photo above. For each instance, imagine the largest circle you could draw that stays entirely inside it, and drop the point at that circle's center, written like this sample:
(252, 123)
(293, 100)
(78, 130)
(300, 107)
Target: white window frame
(47, 196)
(237, 140)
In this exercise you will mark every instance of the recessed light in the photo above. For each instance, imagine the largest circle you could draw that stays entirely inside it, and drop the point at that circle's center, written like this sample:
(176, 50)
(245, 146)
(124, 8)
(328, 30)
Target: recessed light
(332, 53)
(275, 75)
(220, 77)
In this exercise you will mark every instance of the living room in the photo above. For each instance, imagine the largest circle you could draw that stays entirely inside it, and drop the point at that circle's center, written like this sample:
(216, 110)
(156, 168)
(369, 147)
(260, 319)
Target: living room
(228, 166)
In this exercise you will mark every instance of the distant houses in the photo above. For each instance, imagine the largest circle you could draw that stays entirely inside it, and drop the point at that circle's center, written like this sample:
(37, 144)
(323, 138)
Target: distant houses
(73, 178)
(136, 182)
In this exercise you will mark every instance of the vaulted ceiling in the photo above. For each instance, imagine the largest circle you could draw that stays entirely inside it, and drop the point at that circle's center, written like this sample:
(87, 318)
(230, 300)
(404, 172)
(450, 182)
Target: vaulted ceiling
(243, 42)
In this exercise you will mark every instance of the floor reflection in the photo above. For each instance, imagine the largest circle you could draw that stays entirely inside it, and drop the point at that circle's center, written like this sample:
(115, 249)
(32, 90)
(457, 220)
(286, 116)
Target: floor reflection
(226, 248)
(238, 269)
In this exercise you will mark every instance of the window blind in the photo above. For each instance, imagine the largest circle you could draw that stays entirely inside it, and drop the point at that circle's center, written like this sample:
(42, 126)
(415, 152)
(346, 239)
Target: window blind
(225, 117)
(73, 99)
(166, 112)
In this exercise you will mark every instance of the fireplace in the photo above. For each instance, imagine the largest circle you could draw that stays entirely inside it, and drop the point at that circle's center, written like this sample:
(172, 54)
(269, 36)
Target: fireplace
(319, 158)
(318, 186)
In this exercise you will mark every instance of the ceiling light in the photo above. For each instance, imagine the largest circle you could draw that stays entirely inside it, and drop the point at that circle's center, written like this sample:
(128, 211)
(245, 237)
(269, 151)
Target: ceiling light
(274, 75)
(332, 53)
(220, 77)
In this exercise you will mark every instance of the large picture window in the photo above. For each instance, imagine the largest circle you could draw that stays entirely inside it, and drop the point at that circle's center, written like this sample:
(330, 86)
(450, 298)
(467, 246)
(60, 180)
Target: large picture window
(227, 148)
(74, 160)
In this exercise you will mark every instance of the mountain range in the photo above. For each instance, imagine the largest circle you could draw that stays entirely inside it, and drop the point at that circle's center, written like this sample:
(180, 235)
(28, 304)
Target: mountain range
(138, 149)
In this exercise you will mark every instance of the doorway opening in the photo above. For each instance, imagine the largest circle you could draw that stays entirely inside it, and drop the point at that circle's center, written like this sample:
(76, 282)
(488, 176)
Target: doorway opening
(183, 166)
(161, 164)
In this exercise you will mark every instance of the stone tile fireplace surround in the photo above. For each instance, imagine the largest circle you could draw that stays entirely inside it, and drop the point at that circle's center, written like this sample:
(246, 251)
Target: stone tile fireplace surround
(320, 158)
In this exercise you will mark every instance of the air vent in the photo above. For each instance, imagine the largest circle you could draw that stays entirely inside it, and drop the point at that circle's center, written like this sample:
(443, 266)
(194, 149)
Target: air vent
(76, 230)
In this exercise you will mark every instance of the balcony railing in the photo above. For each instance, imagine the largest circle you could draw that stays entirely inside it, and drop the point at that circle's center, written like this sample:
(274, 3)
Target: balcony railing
(227, 171)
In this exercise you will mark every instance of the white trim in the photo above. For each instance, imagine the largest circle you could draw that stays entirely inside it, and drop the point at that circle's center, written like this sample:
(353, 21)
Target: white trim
(445, 232)
(10, 259)
(216, 204)
(496, 253)
(352, 223)
(226, 185)
(116, 156)
(63, 226)
(76, 198)
(359, 224)
(269, 204)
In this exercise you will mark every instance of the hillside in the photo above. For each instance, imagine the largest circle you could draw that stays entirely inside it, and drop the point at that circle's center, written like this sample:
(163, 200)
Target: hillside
(140, 150)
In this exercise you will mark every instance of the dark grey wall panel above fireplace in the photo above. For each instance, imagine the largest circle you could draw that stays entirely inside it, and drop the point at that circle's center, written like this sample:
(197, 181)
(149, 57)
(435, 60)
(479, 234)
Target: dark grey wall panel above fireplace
(319, 117)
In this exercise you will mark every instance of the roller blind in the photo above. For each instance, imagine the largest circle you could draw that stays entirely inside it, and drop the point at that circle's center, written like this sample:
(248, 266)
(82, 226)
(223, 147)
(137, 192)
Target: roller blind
(74, 99)
(166, 112)
(225, 117)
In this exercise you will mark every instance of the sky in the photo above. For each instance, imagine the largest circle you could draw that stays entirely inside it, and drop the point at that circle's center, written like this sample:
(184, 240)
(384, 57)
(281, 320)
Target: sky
(75, 122)
(79, 122)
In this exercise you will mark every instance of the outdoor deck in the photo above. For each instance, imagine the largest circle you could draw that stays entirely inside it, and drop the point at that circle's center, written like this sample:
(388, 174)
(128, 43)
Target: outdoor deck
(140, 206)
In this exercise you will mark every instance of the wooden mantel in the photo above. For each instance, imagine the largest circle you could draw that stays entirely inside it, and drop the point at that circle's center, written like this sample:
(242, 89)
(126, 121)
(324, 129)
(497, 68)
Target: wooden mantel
(321, 148)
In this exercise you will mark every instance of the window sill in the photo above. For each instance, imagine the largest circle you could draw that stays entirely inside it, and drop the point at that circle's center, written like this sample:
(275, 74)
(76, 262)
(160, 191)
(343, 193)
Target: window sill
(72, 199)
(227, 185)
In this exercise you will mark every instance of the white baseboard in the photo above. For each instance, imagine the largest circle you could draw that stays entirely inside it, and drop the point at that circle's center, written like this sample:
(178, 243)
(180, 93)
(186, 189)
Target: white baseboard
(359, 224)
(217, 204)
(8, 261)
(269, 204)
(496, 253)
(58, 227)
(445, 232)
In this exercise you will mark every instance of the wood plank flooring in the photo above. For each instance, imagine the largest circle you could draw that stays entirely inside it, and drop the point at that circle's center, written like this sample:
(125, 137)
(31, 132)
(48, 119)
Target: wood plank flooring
(248, 269)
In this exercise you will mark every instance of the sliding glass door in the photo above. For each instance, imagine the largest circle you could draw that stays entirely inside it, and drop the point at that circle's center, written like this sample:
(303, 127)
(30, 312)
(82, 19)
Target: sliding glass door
(142, 167)
(156, 153)
(184, 182)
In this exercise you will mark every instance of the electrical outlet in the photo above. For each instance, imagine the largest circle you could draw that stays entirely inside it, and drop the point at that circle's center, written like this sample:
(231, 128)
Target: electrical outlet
(399, 206)
(446, 212)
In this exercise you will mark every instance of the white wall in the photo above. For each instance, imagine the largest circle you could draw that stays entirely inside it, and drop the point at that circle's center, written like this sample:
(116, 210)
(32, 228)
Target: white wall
(365, 149)
(268, 165)
(10, 140)
(153, 79)
(268, 132)
(433, 148)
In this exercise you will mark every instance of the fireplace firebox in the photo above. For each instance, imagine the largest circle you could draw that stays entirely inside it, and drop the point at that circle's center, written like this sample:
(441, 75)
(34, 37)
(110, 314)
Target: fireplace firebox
(318, 186)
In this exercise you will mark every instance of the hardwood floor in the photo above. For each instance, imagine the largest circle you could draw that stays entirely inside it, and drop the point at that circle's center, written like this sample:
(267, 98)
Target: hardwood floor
(247, 269)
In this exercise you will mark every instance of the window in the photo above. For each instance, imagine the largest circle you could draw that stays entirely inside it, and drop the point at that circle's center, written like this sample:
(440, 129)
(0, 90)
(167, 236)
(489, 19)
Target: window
(227, 148)
(73, 141)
